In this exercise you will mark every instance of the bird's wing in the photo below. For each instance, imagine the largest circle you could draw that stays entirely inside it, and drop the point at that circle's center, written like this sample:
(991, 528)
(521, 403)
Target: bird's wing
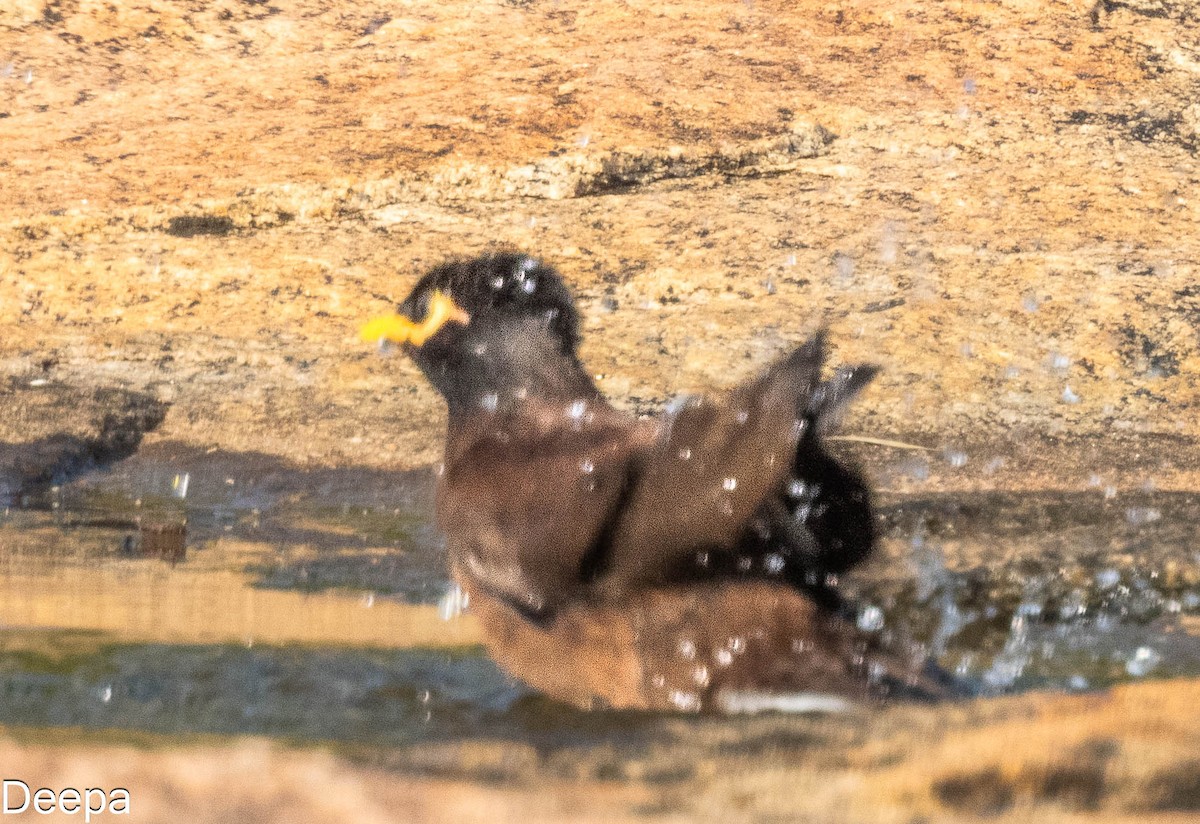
(708, 475)
(820, 521)
(526, 500)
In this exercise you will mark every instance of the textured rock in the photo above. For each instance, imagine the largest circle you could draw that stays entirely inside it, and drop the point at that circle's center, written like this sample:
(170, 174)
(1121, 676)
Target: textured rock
(206, 199)
(49, 433)
(1040, 759)
(203, 200)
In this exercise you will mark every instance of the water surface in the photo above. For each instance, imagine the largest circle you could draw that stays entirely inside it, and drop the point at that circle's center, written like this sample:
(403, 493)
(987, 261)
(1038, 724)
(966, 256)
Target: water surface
(188, 592)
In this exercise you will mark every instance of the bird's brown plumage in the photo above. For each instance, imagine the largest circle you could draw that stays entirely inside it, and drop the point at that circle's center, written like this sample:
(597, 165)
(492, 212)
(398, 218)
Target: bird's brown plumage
(670, 562)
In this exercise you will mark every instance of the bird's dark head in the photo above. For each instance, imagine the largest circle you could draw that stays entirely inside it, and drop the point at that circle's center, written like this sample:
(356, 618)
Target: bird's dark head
(490, 329)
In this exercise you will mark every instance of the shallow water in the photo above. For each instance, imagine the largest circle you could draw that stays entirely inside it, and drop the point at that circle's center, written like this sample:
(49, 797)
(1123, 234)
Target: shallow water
(187, 592)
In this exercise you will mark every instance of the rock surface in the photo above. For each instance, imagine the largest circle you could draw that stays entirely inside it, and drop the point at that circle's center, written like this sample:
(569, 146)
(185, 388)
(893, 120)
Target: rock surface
(996, 201)
(50, 433)
(1052, 759)
(207, 199)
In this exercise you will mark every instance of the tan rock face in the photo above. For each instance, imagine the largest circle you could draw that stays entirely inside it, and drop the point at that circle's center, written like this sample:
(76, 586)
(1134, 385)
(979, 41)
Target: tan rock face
(996, 201)
(51, 433)
(208, 198)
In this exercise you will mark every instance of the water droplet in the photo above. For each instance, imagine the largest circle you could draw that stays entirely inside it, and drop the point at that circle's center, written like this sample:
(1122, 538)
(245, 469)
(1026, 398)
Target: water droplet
(888, 248)
(1030, 302)
(870, 619)
(1138, 515)
(106, 693)
(1024, 610)
(723, 657)
(687, 649)
(969, 85)
(729, 484)
(1143, 662)
(956, 458)
(529, 286)
(498, 282)
(797, 488)
(742, 416)
(685, 454)
(587, 466)
(1074, 606)
(773, 563)
(577, 409)
(490, 401)
(702, 560)
(685, 701)
(1107, 578)
(1069, 396)
(744, 564)
(700, 676)
(453, 603)
(843, 266)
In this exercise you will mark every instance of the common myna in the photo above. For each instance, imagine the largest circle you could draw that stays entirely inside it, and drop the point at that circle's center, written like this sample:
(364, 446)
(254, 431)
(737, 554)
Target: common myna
(681, 562)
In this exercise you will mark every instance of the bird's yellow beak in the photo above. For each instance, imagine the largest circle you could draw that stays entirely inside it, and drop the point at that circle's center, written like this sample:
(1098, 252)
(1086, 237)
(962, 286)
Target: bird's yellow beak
(399, 329)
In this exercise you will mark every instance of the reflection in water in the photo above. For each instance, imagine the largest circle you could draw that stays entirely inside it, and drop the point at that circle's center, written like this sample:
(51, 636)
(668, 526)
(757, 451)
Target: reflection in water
(306, 603)
(138, 601)
(165, 541)
(382, 696)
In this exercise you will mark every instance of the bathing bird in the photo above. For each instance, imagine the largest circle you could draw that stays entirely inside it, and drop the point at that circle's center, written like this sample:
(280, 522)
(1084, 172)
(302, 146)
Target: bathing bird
(686, 561)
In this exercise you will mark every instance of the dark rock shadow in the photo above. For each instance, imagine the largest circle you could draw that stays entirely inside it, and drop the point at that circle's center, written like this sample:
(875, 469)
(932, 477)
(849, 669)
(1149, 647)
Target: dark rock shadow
(98, 428)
